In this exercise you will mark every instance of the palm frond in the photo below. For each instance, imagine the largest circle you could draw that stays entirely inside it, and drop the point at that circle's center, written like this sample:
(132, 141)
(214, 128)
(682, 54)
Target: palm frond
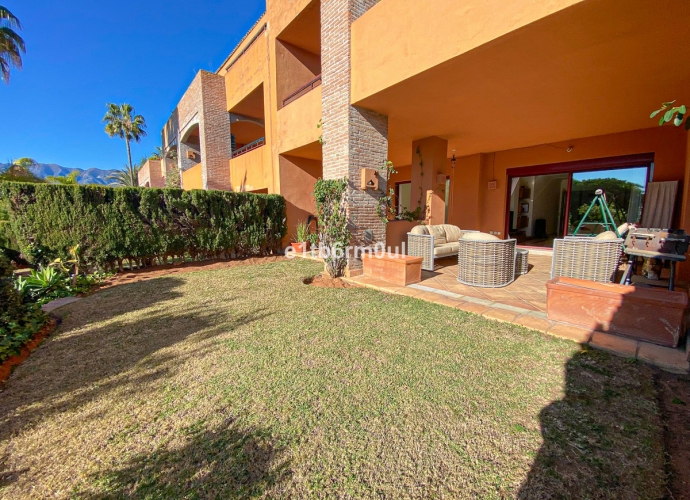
(11, 44)
(129, 177)
(8, 18)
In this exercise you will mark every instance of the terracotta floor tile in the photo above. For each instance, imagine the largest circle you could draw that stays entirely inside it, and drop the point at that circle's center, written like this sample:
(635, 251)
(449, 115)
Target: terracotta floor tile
(500, 314)
(665, 357)
(569, 332)
(538, 324)
(472, 308)
(407, 291)
(428, 296)
(618, 345)
(519, 303)
(447, 301)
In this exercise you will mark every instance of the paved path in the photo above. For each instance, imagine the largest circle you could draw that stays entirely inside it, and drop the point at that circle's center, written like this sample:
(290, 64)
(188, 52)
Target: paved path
(51, 306)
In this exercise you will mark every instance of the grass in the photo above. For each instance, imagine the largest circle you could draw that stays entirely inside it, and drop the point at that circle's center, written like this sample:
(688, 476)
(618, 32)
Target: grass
(245, 382)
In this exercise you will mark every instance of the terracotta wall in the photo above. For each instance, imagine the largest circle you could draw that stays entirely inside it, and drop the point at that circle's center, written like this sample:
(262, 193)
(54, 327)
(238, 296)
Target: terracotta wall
(474, 206)
(396, 234)
(298, 176)
(191, 179)
(397, 39)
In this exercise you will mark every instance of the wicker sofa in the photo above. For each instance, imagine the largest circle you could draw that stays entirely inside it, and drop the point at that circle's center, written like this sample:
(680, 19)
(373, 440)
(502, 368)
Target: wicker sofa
(588, 258)
(434, 241)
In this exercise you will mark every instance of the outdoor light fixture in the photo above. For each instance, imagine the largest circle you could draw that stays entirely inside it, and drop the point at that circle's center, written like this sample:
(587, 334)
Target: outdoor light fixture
(452, 160)
(569, 150)
(369, 180)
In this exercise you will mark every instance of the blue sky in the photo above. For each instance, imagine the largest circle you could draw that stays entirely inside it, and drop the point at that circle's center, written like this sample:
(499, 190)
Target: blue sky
(82, 54)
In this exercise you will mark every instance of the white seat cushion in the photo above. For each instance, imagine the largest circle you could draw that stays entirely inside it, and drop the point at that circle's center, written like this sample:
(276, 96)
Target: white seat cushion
(446, 249)
(421, 229)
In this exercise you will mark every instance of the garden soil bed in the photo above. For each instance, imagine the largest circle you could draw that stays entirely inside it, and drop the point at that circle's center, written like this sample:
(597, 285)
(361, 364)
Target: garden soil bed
(10, 363)
(325, 281)
(187, 267)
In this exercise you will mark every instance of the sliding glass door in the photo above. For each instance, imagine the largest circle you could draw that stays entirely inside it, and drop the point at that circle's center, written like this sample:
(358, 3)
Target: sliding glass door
(624, 189)
(549, 201)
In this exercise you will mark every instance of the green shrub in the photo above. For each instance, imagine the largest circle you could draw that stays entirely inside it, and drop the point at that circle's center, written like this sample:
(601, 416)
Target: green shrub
(142, 226)
(18, 321)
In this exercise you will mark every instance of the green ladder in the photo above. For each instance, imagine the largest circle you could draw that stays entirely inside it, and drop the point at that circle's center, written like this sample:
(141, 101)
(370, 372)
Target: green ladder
(609, 224)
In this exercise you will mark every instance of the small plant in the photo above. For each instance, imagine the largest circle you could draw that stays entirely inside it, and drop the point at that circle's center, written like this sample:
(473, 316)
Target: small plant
(675, 113)
(313, 239)
(302, 232)
(320, 126)
(410, 215)
(44, 285)
(385, 209)
(333, 231)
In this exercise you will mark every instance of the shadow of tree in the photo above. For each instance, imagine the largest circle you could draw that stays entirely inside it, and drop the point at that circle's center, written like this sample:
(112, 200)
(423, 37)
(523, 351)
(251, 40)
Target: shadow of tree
(99, 345)
(227, 462)
(603, 439)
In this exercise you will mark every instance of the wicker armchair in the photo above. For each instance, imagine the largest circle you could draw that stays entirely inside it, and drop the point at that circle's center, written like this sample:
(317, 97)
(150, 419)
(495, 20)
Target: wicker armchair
(586, 258)
(486, 263)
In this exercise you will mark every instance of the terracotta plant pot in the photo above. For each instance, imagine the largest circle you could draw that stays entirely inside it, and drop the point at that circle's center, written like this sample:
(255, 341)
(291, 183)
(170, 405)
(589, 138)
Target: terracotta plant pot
(300, 247)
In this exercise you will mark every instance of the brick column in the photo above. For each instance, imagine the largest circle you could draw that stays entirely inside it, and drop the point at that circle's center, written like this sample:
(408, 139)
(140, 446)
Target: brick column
(215, 133)
(353, 138)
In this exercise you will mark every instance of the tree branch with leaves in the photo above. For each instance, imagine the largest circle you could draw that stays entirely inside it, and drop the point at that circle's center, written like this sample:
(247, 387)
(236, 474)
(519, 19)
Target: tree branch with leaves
(672, 113)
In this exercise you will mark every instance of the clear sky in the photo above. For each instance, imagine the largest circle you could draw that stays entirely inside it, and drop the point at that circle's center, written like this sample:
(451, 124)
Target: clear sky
(82, 54)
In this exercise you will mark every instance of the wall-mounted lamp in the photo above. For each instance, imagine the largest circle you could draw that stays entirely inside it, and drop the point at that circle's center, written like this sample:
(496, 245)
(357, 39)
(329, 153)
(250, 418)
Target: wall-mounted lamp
(569, 150)
(368, 179)
(452, 160)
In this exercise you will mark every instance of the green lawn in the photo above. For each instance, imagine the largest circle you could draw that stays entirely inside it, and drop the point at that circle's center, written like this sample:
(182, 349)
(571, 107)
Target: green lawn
(244, 381)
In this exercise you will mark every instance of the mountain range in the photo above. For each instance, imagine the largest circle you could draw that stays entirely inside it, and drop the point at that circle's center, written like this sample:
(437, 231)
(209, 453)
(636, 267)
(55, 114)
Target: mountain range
(88, 176)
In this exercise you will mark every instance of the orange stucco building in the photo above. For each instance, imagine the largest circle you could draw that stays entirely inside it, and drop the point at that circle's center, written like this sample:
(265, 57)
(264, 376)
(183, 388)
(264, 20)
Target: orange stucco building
(521, 93)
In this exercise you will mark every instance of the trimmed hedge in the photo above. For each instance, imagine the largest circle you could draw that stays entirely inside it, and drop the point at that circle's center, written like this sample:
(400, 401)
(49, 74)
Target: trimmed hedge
(142, 225)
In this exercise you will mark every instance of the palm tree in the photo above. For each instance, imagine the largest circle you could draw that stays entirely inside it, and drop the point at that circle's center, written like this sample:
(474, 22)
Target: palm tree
(129, 177)
(121, 121)
(11, 44)
(160, 153)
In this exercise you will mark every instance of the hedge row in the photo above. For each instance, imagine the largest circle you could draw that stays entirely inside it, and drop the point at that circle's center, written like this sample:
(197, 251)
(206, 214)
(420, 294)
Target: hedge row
(141, 225)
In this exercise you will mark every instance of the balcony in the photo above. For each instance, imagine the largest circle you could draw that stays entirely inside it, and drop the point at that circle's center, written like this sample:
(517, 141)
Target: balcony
(298, 122)
(249, 147)
(249, 168)
(304, 89)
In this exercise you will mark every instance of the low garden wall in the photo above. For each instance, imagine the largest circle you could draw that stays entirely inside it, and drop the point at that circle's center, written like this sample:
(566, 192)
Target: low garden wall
(141, 225)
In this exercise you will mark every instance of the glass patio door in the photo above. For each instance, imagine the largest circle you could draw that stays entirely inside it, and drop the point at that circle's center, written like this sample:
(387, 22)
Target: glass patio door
(624, 190)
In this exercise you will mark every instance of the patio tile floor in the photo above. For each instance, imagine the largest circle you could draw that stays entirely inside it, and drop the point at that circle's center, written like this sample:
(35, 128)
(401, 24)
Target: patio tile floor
(523, 302)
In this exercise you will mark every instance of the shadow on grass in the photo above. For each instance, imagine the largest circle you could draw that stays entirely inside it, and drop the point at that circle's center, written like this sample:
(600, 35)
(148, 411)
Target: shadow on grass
(227, 462)
(100, 349)
(604, 438)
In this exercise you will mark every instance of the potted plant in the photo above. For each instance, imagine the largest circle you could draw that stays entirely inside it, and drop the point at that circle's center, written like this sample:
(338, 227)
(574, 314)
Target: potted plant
(301, 244)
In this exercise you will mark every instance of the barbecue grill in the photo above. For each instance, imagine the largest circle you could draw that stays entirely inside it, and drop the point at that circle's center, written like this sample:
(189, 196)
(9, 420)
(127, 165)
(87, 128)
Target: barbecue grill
(651, 243)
